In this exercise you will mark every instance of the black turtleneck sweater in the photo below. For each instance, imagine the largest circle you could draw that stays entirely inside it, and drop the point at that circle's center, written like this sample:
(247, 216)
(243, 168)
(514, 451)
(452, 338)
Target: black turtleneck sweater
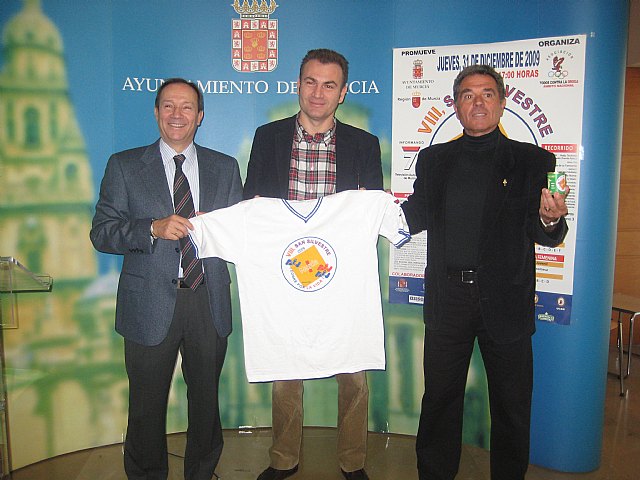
(465, 197)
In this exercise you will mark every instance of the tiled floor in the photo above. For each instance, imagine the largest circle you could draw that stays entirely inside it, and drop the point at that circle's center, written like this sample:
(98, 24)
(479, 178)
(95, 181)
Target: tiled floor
(390, 457)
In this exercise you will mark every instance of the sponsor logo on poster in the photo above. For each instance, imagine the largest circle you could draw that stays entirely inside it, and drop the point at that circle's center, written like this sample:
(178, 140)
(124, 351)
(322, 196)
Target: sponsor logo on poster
(417, 69)
(559, 62)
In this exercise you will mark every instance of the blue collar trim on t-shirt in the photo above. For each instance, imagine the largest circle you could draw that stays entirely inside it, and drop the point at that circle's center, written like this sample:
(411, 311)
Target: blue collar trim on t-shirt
(298, 214)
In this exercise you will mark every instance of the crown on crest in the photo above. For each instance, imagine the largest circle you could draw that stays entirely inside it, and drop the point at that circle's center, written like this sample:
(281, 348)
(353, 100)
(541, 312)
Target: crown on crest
(255, 8)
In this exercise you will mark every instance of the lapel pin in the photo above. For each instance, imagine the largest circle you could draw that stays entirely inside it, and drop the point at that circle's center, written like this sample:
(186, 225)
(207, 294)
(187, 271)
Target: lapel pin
(504, 182)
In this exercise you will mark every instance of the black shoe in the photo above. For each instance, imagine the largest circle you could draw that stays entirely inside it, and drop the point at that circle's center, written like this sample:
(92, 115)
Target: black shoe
(275, 474)
(356, 475)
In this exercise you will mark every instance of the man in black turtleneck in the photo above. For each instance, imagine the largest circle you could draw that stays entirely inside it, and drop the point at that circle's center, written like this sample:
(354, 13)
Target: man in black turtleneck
(483, 201)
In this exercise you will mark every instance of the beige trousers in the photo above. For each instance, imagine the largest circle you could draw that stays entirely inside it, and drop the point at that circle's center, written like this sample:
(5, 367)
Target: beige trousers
(287, 416)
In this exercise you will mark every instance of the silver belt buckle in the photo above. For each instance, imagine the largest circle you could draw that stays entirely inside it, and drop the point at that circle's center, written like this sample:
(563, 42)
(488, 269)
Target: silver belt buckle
(468, 276)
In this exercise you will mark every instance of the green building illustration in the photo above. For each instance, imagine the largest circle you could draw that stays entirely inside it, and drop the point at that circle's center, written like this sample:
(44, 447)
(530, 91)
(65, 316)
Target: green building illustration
(60, 358)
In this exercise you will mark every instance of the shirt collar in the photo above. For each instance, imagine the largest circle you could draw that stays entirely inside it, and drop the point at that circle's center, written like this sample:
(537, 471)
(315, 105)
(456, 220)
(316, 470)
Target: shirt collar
(168, 153)
(324, 137)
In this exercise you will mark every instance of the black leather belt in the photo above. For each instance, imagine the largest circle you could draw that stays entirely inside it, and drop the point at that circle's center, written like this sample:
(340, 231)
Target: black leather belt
(463, 276)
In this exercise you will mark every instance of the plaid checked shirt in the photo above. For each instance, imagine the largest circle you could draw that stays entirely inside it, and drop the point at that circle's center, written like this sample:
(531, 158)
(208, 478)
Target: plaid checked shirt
(312, 173)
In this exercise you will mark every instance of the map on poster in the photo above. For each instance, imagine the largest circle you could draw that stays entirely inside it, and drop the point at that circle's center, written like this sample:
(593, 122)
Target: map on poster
(544, 82)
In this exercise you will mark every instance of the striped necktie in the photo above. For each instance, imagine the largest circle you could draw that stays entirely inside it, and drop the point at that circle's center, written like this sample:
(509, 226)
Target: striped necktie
(183, 204)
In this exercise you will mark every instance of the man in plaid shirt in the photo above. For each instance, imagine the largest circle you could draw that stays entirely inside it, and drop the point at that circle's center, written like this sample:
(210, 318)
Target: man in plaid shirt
(308, 156)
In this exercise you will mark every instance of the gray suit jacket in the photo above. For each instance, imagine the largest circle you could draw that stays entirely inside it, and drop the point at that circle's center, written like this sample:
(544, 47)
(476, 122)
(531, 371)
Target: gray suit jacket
(133, 192)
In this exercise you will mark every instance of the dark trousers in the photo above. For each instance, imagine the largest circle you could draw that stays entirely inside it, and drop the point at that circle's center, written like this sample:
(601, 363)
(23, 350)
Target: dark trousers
(150, 370)
(509, 367)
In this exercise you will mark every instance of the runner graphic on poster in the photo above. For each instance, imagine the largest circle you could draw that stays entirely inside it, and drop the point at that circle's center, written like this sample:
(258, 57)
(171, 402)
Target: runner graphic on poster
(544, 82)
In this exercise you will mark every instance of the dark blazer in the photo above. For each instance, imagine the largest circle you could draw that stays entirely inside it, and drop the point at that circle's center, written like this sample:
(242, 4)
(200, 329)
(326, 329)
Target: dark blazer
(358, 163)
(510, 226)
(134, 191)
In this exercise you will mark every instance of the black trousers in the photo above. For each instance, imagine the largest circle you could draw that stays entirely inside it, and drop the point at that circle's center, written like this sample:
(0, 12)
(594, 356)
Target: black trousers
(150, 371)
(509, 367)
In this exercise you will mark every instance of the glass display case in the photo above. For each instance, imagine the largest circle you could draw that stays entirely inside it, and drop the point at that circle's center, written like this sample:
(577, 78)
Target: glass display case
(15, 279)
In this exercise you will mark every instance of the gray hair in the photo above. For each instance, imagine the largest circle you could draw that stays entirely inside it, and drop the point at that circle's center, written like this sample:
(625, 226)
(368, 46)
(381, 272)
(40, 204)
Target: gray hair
(478, 70)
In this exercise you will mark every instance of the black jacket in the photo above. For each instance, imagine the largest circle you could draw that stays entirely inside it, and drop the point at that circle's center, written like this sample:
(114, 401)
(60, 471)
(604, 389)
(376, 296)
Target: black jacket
(510, 226)
(358, 163)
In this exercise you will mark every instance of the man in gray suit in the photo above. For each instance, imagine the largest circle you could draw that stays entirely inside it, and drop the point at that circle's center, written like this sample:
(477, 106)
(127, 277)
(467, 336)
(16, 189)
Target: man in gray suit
(160, 309)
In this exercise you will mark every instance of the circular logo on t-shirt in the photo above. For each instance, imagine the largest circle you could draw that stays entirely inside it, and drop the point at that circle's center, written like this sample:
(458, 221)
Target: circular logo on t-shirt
(308, 264)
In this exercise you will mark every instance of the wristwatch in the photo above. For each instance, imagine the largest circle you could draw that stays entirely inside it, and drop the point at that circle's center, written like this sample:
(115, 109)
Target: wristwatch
(153, 235)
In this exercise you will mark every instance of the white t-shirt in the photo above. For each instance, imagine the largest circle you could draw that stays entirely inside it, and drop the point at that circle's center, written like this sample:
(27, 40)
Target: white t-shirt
(307, 278)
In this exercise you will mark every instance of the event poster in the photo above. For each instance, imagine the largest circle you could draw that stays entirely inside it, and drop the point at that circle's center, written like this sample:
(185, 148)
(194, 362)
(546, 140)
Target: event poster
(544, 83)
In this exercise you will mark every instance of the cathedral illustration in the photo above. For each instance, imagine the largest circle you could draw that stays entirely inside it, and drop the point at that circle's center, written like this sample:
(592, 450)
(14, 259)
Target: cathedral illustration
(60, 358)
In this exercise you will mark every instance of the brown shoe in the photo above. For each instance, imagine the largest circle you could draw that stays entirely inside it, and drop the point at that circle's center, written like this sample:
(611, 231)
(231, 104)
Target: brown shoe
(275, 474)
(355, 475)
